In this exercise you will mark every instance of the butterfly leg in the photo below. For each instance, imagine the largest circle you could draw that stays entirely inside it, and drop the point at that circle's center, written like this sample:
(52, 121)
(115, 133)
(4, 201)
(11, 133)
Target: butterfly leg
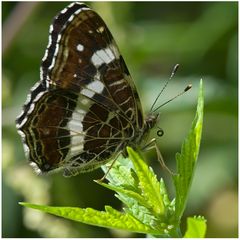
(108, 170)
(153, 145)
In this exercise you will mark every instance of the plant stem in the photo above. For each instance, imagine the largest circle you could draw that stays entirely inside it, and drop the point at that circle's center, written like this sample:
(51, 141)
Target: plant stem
(175, 232)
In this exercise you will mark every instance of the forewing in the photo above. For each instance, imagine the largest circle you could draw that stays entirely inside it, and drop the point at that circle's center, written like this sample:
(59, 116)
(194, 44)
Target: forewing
(86, 107)
(82, 56)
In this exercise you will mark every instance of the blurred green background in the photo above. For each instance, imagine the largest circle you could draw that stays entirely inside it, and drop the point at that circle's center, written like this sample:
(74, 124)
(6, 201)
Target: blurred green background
(202, 37)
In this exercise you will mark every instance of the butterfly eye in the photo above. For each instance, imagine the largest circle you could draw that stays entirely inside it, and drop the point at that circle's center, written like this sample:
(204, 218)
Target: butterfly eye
(160, 132)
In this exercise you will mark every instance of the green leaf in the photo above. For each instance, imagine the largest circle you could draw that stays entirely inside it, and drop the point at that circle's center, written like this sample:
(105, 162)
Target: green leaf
(123, 180)
(109, 218)
(125, 191)
(196, 227)
(136, 205)
(132, 195)
(120, 173)
(186, 161)
(148, 183)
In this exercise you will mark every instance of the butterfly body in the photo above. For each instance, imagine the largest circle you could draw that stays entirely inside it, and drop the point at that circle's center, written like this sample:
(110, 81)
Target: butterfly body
(85, 109)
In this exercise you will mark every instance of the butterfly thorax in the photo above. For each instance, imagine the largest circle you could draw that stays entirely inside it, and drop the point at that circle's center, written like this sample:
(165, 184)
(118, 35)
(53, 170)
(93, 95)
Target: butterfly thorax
(141, 134)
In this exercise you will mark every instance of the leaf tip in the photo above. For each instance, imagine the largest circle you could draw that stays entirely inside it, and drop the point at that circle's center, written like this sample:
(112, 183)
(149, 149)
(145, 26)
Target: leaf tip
(25, 204)
(129, 150)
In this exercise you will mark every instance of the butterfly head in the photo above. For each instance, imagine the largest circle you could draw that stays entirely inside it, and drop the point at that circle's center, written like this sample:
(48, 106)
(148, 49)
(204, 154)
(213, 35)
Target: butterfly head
(151, 120)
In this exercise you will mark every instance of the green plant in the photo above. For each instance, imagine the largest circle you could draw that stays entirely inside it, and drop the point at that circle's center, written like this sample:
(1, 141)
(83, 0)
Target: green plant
(147, 206)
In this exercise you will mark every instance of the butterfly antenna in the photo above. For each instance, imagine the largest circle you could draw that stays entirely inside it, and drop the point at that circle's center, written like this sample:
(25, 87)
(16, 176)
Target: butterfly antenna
(185, 90)
(175, 68)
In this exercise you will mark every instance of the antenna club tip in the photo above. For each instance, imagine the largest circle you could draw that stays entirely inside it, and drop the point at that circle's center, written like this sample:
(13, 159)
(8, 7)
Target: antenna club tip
(188, 88)
(175, 67)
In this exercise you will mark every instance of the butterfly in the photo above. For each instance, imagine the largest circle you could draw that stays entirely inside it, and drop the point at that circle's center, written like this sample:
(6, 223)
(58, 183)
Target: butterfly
(85, 109)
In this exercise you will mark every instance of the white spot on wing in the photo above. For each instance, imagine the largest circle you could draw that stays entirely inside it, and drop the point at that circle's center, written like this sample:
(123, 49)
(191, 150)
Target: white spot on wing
(85, 101)
(21, 134)
(102, 56)
(53, 61)
(38, 96)
(80, 47)
(100, 29)
(64, 10)
(97, 76)
(96, 86)
(71, 5)
(80, 111)
(76, 131)
(45, 55)
(26, 149)
(92, 88)
(87, 93)
(19, 125)
(55, 52)
(76, 148)
(81, 9)
(35, 167)
(75, 126)
(76, 122)
(51, 28)
(119, 82)
(115, 50)
(31, 108)
(70, 19)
